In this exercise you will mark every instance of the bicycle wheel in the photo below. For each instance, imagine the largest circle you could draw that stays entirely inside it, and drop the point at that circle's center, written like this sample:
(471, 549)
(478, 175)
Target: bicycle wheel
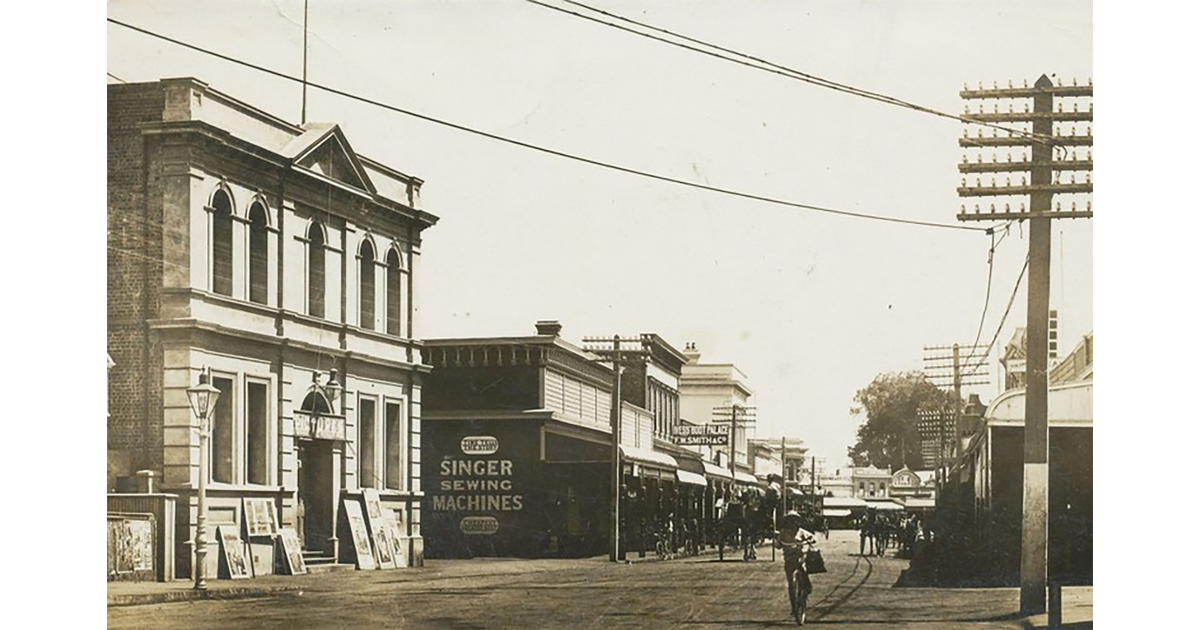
(801, 606)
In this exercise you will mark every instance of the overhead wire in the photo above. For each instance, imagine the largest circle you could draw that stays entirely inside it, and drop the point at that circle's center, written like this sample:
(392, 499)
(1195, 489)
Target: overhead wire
(1011, 299)
(545, 150)
(778, 69)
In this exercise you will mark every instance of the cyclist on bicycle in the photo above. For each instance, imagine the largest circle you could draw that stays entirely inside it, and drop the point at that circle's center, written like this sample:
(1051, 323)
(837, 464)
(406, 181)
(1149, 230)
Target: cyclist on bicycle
(795, 541)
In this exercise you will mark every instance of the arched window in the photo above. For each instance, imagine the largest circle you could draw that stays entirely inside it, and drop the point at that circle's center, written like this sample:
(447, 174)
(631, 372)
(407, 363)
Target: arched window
(258, 254)
(393, 293)
(366, 285)
(316, 270)
(222, 244)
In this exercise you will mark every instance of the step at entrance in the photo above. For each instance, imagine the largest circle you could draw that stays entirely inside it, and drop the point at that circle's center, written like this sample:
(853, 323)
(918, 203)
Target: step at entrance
(318, 562)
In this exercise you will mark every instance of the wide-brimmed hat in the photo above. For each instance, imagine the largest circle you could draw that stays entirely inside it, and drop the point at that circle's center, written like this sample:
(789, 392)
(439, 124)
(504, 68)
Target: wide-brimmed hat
(792, 515)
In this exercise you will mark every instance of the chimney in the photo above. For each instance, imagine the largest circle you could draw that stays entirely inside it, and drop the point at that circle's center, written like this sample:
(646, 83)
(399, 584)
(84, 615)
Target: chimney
(692, 354)
(971, 420)
(548, 327)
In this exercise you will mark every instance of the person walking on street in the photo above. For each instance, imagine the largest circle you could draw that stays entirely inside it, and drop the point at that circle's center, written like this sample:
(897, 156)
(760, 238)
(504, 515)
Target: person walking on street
(866, 533)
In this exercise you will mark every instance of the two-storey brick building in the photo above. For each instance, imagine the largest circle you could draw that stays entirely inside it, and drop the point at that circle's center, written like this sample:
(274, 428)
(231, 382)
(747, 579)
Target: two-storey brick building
(273, 255)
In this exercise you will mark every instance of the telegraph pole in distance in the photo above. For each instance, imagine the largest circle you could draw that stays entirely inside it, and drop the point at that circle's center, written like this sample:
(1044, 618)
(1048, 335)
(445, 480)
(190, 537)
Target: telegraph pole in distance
(958, 376)
(747, 417)
(619, 351)
(1045, 173)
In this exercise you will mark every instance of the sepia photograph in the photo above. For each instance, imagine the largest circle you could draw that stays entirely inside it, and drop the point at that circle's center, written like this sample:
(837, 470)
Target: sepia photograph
(634, 314)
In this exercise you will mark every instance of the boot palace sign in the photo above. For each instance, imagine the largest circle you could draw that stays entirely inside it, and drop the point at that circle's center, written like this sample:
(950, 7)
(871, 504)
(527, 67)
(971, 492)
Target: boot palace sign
(477, 483)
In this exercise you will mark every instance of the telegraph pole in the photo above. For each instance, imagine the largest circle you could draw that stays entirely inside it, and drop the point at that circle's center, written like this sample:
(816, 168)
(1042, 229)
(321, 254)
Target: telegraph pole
(747, 417)
(1045, 173)
(622, 351)
(961, 372)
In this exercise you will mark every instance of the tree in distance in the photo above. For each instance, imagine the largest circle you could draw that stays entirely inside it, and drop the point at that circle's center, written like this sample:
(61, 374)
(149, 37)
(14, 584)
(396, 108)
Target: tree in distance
(888, 439)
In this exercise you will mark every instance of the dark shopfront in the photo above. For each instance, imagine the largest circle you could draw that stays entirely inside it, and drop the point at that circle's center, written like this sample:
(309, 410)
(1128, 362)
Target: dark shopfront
(514, 487)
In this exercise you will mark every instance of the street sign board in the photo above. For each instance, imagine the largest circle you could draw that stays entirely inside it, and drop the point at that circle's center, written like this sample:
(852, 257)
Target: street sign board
(702, 435)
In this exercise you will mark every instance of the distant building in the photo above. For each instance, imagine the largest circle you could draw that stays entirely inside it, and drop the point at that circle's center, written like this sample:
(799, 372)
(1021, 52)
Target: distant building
(859, 483)
(1076, 366)
(705, 387)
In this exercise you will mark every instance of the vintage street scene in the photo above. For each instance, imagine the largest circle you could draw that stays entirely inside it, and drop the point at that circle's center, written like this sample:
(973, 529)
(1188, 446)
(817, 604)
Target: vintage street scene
(612, 314)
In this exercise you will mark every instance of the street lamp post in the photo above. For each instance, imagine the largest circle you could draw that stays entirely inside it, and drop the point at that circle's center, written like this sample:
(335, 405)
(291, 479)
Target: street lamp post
(203, 399)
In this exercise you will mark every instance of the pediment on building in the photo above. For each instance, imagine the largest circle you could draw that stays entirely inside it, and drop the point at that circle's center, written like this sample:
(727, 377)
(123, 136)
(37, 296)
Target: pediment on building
(324, 151)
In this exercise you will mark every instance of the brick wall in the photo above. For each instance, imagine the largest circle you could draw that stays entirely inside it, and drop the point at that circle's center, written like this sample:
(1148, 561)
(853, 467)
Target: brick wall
(134, 277)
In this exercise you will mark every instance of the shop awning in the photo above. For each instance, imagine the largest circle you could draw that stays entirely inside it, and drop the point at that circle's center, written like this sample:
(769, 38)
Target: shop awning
(915, 503)
(886, 506)
(844, 503)
(647, 457)
(828, 513)
(745, 478)
(691, 478)
(716, 472)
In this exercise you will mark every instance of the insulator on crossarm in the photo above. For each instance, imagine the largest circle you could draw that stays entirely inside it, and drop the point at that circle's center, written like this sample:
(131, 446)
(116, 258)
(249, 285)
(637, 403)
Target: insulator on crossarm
(1089, 108)
(1073, 206)
(1010, 157)
(996, 108)
(1089, 204)
(1075, 106)
(1074, 82)
(1010, 107)
(964, 158)
(993, 183)
(966, 108)
(1026, 108)
(965, 86)
(994, 86)
(993, 158)
(978, 158)
(1021, 207)
(1006, 210)
(1022, 180)
(1089, 130)
(1058, 207)
(1088, 177)
(1025, 83)
(1072, 178)
(1010, 84)
(964, 182)
(1058, 81)
(1060, 107)
(1089, 81)
(976, 208)
(1008, 181)
(962, 209)
(981, 86)
(1072, 155)
(992, 210)
(965, 132)
(1072, 130)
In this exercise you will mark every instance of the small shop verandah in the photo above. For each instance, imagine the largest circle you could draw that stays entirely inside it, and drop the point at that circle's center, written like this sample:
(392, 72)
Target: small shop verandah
(676, 499)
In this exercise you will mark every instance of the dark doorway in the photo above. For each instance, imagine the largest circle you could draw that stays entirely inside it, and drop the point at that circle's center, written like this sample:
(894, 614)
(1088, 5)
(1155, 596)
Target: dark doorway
(315, 493)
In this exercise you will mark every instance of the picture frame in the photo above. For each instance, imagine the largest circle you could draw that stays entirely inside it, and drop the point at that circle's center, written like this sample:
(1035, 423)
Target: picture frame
(233, 553)
(293, 555)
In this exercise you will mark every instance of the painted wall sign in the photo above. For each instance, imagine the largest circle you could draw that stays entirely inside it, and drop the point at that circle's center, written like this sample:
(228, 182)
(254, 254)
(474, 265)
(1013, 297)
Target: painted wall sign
(702, 435)
(477, 484)
(479, 445)
(476, 525)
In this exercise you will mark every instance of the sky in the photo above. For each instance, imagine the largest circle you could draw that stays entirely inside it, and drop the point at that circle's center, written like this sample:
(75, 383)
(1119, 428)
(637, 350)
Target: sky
(810, 306)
